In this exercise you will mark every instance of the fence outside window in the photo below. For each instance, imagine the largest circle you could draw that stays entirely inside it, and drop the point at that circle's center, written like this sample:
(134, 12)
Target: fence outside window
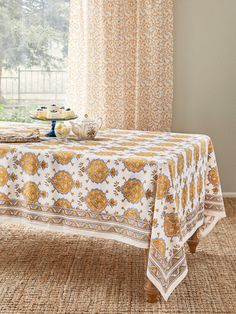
(26, 88)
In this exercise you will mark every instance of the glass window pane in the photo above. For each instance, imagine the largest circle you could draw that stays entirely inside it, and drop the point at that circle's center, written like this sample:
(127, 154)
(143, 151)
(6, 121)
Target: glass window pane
(33, 55)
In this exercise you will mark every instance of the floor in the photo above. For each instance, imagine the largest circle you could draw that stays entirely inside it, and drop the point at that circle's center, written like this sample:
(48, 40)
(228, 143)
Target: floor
(44, 272)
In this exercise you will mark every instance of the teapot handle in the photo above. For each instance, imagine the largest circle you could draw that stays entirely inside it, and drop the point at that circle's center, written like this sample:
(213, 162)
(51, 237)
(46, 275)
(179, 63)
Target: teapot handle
(100, 122)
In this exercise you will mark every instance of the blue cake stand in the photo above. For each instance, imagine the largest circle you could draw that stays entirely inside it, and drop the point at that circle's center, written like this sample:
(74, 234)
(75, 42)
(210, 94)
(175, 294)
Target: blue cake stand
(52, 133)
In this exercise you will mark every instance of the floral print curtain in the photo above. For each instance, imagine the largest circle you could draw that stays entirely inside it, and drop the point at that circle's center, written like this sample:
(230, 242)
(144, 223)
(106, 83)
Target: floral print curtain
(121, 62)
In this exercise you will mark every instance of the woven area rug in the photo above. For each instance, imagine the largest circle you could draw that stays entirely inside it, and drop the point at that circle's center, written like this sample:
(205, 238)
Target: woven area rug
(44, 272)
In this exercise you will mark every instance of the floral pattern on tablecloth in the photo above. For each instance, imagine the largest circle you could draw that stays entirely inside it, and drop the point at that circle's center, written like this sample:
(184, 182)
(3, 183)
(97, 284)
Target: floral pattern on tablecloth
(149, 189)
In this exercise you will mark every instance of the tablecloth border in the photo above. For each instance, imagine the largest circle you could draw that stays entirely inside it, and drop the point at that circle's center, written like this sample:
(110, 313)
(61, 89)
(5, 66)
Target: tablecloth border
(9, 220)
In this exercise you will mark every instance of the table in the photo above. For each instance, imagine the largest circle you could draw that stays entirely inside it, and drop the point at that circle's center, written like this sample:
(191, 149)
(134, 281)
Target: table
(152, 190)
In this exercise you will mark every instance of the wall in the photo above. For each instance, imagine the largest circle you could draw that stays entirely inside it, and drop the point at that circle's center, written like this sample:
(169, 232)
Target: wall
(205, 77)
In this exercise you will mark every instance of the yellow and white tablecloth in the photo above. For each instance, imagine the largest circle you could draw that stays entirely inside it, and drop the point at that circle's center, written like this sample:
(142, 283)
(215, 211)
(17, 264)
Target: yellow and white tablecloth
(151, 190)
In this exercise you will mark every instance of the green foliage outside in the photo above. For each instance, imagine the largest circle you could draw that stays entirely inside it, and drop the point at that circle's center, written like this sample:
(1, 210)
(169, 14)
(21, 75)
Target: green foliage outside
(18, 114)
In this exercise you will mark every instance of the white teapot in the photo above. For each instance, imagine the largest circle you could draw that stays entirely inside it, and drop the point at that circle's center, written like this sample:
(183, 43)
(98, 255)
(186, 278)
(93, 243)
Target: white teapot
(86, 129)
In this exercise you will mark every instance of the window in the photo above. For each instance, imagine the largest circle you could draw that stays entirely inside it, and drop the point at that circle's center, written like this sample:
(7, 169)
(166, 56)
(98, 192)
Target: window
(33, 55)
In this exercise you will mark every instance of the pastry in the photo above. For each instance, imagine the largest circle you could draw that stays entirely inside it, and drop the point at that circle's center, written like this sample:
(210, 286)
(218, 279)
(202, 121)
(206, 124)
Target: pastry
(40, 114)
(53, 114)
(44, 111)
(53, 107)
(69, 113)
(62, 111)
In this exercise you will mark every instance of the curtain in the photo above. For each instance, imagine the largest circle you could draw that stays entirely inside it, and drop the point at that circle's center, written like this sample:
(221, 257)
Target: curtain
(121, 62)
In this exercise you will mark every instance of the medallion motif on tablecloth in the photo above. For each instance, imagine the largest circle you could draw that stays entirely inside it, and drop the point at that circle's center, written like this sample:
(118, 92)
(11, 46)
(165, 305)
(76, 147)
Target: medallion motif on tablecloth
(31, 192)
(62, 203)
(132, 213)
(188, 156)
(180, 165)
(97, 171)
(133, 190)
(96, 200)
(62, 182)
(184, 196)
(214, 177)
(30, 163)
(63, 158)
(4, 176)
(135, 164)
(171, 225)
(163, 185)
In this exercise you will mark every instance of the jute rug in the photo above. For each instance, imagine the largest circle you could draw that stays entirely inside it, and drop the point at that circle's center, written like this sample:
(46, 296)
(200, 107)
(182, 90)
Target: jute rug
(44, 272)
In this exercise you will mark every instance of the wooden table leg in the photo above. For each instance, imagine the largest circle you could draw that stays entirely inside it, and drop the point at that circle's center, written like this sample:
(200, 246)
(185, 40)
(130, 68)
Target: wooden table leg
(149, 288)
(151, 291)
(193, 242)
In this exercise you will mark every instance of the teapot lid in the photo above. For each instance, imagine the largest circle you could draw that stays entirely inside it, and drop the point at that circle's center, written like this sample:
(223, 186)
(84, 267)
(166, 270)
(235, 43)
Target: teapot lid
(86, 119)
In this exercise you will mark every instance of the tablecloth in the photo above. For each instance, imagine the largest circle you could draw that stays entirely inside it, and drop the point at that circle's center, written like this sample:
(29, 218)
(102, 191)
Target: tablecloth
(148, 189)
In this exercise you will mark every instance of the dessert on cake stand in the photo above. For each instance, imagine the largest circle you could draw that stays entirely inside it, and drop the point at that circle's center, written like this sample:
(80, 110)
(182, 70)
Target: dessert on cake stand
(52, 133)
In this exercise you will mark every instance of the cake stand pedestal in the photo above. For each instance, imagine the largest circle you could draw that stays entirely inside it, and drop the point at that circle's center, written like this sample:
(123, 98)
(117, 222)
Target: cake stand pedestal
(52, 132)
